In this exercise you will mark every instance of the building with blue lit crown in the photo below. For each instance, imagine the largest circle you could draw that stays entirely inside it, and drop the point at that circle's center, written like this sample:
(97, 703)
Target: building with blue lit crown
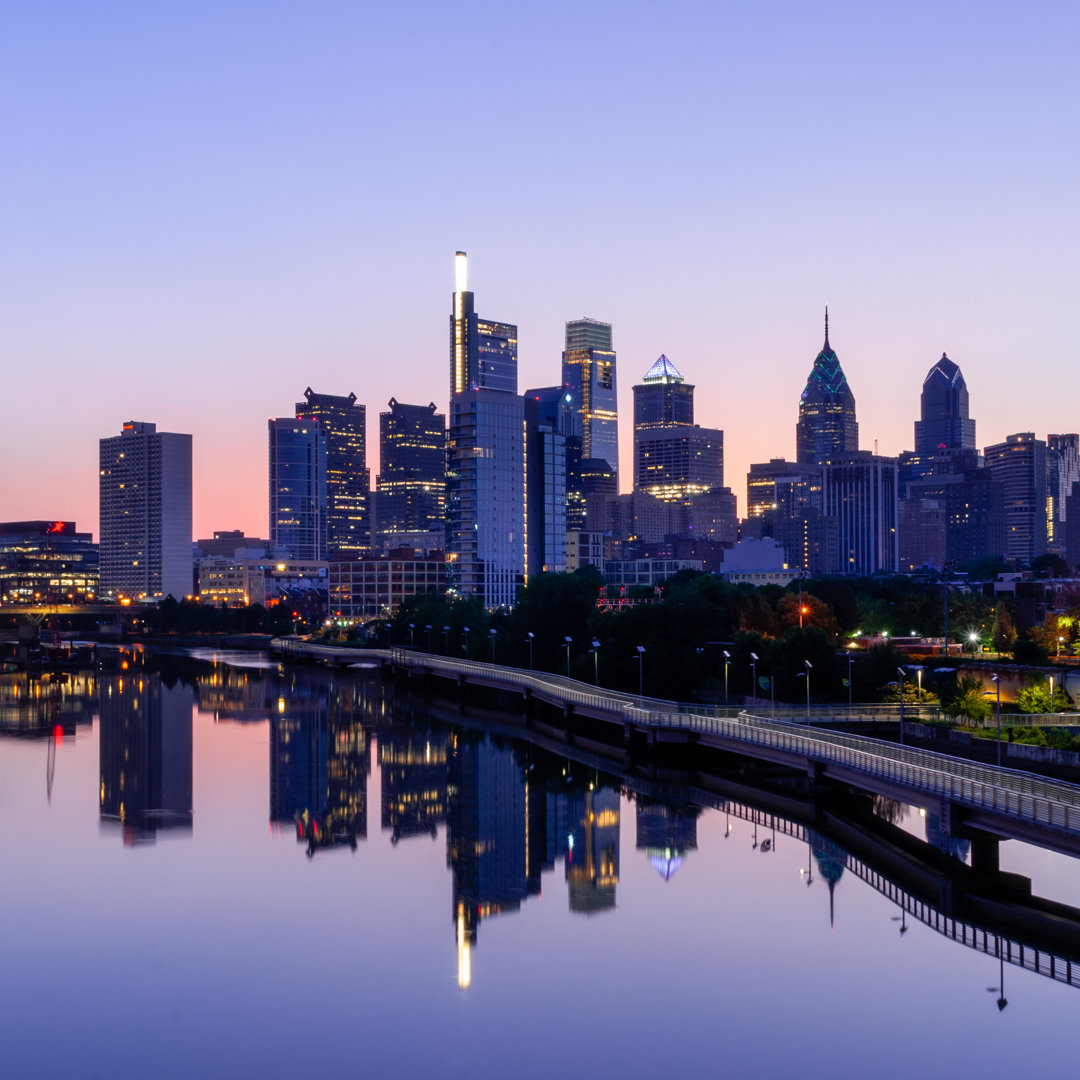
(826, 427)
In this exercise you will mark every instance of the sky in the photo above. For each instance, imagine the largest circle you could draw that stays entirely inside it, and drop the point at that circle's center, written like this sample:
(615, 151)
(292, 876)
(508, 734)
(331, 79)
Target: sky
(207, 207)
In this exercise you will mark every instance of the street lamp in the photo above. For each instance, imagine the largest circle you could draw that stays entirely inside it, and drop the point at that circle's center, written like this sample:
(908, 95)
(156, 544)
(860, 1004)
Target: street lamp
(1060, 640)
(529, 638)
(753, 673)
(568, 642)
(640, 657)
(727, 662)
(850, 661)
(388, 627)
(1051, 695)
(973, 638)
(412, 628)
(465, 631)
(446, 640)
(428, 629)
(997, 686)
(900, 672)
(493, 632)
(596, 662)
(808, 666)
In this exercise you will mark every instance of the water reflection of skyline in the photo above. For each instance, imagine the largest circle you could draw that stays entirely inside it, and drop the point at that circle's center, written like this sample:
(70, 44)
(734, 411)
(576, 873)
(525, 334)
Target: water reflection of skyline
(512, 810)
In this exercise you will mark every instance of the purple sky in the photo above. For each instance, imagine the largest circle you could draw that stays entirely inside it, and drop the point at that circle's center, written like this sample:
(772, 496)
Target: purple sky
(207, 208)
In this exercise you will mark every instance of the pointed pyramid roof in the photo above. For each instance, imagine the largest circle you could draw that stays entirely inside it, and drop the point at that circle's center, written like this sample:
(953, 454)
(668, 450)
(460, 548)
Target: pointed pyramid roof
(663, 371)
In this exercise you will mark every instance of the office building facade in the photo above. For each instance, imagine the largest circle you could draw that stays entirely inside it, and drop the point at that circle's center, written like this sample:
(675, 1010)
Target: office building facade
(1019, 465)
(549, 416)
(860, 492)
(47, 562)
(298, 496)
(411, 486)
(144, 486)
(588, 372)
(348, 482)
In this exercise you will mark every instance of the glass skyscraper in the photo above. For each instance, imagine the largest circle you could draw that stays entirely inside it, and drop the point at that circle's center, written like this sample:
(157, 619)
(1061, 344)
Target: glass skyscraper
(483, 352)
(1019, 464)
(412, 470)
(348, 482)
(945, 424)
(549, 417)
(588, 372)
(826, 427)
(485, 480)
(674, 458)
(298, 498)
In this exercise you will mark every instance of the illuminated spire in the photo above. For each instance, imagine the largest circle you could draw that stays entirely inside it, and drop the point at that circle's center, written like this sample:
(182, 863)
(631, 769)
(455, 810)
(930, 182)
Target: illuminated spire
(826, 326)
(461, 272)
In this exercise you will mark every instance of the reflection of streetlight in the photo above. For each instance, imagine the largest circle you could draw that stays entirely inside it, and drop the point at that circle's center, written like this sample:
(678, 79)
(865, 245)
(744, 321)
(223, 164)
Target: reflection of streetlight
(753, 669)
(727, 661)
(569, 641)
(640, 657)
(902, 920)
(529, 637)
(1002, 1001)
(596, 661)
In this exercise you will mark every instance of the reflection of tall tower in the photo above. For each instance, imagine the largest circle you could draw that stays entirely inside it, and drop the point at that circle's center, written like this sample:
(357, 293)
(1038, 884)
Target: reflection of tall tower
(666, 834)
(487, 841)
(830, 860)
(319, 763)
(592, 861)
(145, 755)
(413, 769)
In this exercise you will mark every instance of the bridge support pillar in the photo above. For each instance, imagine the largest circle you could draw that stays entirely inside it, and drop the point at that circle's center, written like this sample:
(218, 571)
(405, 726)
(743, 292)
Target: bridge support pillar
(986, 855)
(568, 723)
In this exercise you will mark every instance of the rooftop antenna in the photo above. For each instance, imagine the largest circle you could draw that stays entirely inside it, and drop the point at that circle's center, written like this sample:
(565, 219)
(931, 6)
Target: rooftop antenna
(826, 326)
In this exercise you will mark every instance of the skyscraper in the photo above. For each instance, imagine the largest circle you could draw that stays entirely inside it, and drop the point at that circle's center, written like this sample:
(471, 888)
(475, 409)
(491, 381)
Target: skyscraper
(826, 427)
(588, 371)
(483, 352)
(674, 458)
(549, 415)
(412, 469)
(860, 491)
(348, 482)
(1062, 471)
(144, 486)
(1019, 464)
(298, 476)
(485, 455)
(945, 423)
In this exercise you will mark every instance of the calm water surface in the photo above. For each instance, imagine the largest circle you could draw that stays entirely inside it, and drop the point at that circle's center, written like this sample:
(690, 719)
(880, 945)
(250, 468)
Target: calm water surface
(228, 868)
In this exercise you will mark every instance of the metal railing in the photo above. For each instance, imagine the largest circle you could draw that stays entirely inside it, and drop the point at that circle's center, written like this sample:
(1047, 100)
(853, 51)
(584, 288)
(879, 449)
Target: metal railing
(1020, 795)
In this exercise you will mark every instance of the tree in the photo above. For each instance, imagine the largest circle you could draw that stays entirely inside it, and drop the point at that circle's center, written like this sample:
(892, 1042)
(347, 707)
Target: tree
(1035, 698)
(965, 699)
(1004, 635)
(1049, 565)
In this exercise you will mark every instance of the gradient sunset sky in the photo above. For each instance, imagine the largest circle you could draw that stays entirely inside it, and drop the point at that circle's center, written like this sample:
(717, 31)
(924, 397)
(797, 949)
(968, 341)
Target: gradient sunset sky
(208, 207)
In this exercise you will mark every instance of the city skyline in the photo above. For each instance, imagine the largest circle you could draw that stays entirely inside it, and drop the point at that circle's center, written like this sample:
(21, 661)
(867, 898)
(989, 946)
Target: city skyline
(198, 249)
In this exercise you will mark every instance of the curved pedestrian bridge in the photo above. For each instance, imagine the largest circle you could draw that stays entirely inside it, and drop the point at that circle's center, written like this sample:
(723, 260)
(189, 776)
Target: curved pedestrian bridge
(985, 803)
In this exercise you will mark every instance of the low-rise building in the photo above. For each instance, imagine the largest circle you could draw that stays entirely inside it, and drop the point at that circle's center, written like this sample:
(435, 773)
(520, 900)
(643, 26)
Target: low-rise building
(375, 585)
